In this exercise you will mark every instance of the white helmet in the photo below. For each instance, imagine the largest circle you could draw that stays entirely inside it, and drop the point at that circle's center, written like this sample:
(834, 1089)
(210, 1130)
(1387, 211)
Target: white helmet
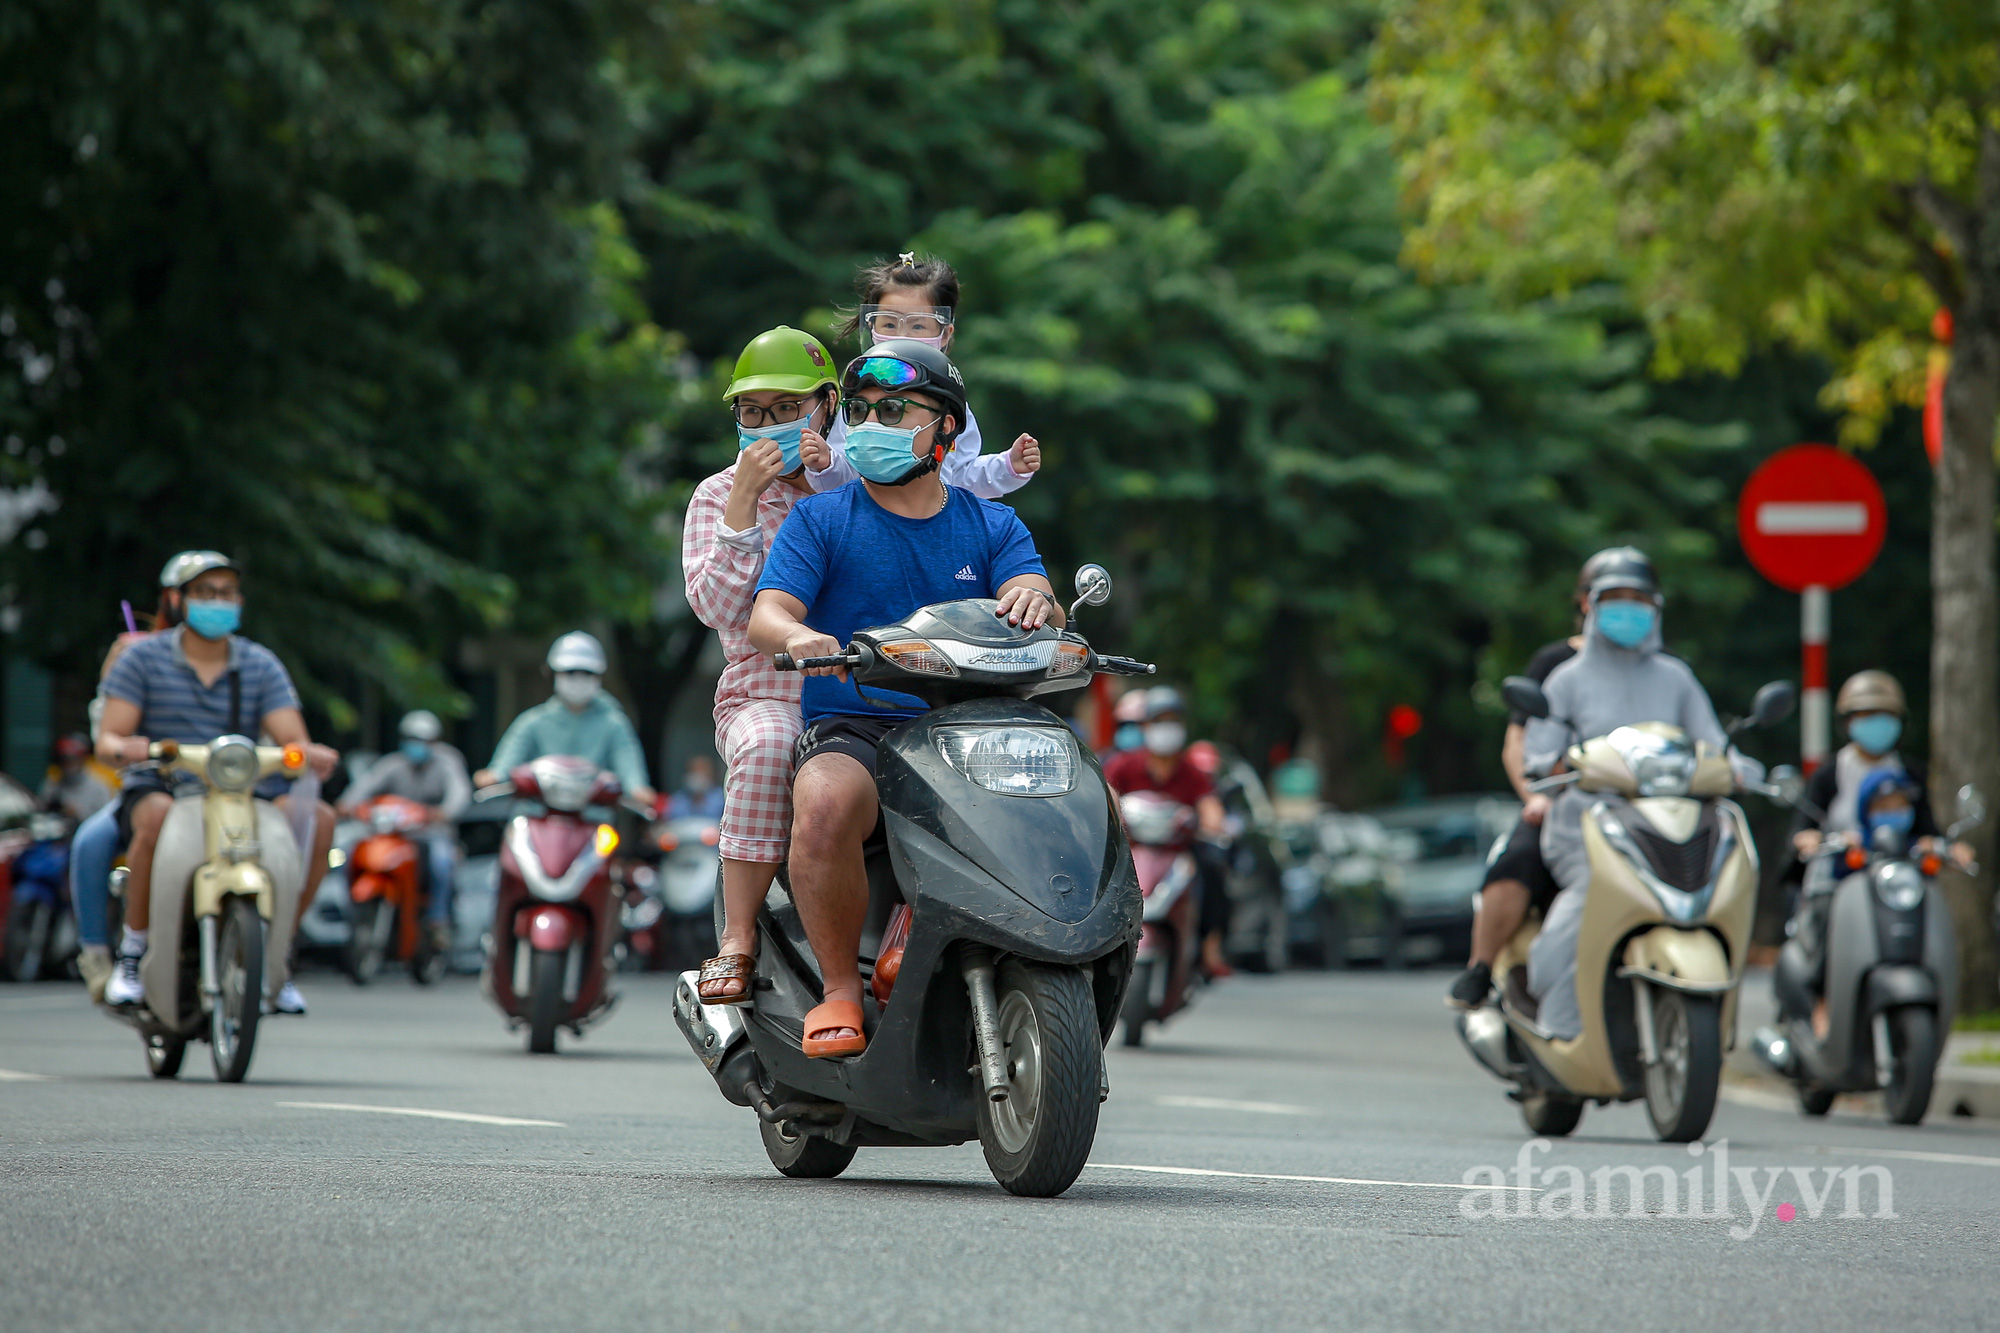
(577, 651)
(188, 566)
(421, 725)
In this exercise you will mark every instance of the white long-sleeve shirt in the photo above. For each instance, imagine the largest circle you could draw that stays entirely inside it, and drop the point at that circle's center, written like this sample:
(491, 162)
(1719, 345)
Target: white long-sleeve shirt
(988, 476)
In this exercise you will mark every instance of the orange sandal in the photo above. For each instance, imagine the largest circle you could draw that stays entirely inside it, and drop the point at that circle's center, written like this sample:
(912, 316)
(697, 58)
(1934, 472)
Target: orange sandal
(825, 1018)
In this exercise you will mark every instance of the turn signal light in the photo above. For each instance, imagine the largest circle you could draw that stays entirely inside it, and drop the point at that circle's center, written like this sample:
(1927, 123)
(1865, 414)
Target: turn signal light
(295, 758)
(1856, 858)
(1931, 863)
(1069, 659)
(607, 840)
(916, 655)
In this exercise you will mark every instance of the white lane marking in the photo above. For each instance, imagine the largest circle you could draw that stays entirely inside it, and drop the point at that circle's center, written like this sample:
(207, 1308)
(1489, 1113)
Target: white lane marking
(1312, 1180)
(470, 1117)
(1800, 519)
(18, 1076)
(1225, 1104)
(1912, 1154)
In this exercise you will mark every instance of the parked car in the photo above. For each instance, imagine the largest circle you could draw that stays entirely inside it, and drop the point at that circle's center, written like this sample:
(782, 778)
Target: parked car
(1437, 851)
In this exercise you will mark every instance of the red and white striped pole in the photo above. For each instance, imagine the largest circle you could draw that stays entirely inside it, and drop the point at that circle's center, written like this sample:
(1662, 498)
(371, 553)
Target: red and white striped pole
(1815, 720)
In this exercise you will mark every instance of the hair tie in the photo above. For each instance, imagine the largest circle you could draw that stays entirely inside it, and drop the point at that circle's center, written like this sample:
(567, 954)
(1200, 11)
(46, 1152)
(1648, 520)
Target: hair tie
(908, 259)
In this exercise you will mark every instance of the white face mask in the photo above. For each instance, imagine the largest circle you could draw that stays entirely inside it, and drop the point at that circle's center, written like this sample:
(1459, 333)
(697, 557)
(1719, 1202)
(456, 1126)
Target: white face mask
(1166, 737)
(577, 688)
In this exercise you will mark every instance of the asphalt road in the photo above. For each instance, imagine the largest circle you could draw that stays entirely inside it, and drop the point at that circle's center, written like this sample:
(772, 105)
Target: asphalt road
(618, 1189)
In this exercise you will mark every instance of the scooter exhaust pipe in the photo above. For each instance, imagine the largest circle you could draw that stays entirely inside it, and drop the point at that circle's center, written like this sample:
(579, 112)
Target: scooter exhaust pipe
(1775, 1050)
(978, 966)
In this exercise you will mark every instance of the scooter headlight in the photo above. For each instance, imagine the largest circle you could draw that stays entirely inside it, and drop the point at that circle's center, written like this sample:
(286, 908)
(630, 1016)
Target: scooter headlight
(232, 765)
(1015, 761)
(1899, 885)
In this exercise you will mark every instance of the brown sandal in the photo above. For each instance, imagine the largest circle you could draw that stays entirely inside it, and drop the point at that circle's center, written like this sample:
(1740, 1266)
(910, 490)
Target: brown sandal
(739, 967)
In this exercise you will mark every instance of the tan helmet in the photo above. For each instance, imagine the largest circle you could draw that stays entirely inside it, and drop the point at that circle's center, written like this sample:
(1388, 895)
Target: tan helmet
(1871, 692)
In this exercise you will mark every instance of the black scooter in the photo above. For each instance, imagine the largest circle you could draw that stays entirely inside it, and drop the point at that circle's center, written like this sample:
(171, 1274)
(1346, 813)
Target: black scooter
(1873, 937)
(1005, 843)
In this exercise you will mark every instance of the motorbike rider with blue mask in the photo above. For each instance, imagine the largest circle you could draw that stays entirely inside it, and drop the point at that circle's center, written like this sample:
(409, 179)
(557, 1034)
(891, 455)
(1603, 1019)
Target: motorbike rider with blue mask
(1620, 677)
(424, 769)
(197, 680)
(866, 554)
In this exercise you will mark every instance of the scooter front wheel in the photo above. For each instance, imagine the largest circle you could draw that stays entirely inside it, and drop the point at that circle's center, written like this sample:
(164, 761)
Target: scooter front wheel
(1039, 1137)
(1913, 1049)
(1686, 1075)
(368, 946)
(545, 1000)
(1550, 1114)
(164, 1054)
(239, 975)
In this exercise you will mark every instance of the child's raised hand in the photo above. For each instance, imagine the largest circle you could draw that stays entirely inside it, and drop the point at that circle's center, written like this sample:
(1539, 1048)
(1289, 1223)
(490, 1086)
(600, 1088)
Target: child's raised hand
(814, 450)
(1026, 456)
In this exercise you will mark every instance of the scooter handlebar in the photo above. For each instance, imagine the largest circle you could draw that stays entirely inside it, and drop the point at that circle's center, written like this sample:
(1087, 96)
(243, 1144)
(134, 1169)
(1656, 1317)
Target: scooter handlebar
(494, 792)
(785, 661)
(1125, 666)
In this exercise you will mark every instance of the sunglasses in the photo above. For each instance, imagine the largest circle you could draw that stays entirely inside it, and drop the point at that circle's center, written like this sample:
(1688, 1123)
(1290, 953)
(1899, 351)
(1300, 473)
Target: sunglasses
(888, 411)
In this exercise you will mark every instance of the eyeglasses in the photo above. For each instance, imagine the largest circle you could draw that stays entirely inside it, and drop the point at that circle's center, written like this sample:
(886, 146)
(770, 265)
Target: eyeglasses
(888, 411)
(887, 322)
(753, 416)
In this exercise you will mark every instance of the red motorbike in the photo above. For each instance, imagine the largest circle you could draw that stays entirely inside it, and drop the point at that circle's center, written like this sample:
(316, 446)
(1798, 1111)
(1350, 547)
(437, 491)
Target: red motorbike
(1164, 975)
(385, 882)
(556, 917)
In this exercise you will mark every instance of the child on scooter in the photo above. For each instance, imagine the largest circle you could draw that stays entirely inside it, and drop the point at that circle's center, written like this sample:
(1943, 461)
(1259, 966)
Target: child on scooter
(918, 299)
(783, 395)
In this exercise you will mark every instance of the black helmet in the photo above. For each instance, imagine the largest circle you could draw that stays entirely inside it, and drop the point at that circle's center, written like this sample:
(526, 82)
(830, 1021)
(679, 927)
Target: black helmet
(900, 363)
(1619, 567)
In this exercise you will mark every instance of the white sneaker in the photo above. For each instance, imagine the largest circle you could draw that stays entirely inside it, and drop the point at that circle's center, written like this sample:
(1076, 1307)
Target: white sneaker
(124, 988)
(289, 1000)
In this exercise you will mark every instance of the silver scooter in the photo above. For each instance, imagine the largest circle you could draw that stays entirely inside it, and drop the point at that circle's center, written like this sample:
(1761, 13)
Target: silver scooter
(1874, 939)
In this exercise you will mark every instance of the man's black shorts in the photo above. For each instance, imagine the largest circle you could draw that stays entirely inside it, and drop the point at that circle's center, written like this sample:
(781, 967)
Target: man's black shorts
(854, 735)
(1521, 859)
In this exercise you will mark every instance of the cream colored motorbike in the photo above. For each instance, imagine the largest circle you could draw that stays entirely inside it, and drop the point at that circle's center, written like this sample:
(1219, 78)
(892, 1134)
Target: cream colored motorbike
(1665, 933)
(226, 880)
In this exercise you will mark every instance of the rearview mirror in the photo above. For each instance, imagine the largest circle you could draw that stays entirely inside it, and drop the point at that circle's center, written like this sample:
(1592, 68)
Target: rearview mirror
(1971, 811)
(1524, 696)
(1773, 704)
(1093, 588)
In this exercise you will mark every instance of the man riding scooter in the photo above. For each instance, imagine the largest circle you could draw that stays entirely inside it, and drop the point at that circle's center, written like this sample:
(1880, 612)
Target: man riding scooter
(1161, 764)
(430, 772)
(1619, 678)
(868, 553)
(1518, 879)
(191, 684)
(579, 719)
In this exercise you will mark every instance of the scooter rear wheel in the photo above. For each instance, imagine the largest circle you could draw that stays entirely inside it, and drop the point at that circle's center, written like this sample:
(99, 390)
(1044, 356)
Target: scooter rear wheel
(368, 946)
(1913, 1046)
(804, 1156)
(1682, 1083)
(239, 973)
(164, 1055)
(1038, 1139)
(1815, 1101)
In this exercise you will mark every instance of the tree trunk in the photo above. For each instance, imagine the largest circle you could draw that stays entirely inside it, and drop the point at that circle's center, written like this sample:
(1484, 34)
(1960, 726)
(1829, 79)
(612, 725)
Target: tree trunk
(1965, 692)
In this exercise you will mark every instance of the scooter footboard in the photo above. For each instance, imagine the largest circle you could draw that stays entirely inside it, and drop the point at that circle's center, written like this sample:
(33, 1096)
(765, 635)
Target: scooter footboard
(1684, 960)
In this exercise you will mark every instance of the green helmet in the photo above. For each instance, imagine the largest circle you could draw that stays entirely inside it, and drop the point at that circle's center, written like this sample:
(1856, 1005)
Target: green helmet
(786, 359)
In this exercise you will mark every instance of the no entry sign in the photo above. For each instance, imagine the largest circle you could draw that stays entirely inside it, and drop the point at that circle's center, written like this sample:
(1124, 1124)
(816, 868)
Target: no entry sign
(1811, 517)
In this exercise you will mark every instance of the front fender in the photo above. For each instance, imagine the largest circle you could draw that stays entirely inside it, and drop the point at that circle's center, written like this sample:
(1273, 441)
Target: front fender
(1684, 960)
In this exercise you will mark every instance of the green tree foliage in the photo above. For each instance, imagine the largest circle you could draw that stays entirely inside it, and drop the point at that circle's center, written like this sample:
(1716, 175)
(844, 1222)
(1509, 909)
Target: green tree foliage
(1324, 487)
(1824, 175)
(333, 287)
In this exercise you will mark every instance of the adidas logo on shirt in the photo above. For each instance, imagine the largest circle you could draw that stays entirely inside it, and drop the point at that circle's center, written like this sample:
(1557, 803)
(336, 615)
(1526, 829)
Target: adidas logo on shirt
(966, 575)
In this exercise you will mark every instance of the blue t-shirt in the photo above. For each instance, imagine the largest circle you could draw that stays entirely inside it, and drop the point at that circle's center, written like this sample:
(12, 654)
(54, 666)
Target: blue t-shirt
(854, 565)
(155, 674)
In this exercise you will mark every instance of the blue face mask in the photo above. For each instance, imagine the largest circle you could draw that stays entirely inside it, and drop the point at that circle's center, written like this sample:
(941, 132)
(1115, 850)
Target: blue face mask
(1129, 736)
(883, 454)
(417, 752)
(214, 620)
(787, 435)
(1877, 733)
(1626, 623)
